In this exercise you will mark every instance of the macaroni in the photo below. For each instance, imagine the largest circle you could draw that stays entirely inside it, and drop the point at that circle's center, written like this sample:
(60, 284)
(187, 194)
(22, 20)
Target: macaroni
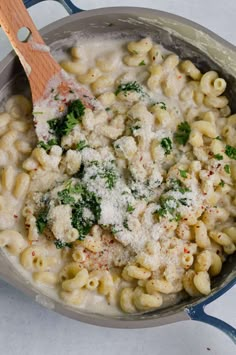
(13, 241)
(144, 301)
(131, 205)
(202, 282)
(126, 300)
(45, 277)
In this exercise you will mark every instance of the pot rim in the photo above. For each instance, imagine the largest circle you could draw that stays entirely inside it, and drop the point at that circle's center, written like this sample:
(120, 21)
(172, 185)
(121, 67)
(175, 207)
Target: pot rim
(91, 318)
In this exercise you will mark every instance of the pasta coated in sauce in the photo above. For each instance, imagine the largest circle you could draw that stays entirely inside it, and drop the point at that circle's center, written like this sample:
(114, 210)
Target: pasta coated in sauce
(134, 202)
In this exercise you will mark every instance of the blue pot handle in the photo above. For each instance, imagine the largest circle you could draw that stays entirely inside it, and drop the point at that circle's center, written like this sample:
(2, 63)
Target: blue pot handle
(196, 312)
(68, 5)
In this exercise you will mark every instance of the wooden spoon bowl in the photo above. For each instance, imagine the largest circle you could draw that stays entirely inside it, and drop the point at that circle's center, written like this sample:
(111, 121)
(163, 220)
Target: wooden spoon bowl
(52, 88)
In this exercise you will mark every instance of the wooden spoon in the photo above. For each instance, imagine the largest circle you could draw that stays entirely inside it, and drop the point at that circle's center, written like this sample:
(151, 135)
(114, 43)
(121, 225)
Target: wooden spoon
(52, 89)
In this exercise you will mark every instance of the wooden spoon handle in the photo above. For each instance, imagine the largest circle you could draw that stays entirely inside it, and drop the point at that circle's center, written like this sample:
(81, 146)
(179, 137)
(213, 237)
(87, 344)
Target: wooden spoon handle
(39, 65)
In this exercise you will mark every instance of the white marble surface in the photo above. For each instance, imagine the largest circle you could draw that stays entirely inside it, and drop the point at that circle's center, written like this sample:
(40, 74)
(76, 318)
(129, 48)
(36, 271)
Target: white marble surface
(28, 329)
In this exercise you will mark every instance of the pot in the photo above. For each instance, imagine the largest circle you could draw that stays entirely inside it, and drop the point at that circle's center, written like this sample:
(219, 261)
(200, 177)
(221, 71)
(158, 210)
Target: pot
(188, 40)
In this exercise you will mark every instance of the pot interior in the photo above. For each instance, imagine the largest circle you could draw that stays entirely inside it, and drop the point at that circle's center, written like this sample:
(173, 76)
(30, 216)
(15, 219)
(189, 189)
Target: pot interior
(204, 49)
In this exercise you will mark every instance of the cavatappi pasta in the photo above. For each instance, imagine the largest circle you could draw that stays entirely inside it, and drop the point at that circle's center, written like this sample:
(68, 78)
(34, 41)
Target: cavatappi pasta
(134, 203)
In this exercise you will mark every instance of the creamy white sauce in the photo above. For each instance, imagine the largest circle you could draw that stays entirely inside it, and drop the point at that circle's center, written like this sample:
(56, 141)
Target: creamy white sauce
(90, 51)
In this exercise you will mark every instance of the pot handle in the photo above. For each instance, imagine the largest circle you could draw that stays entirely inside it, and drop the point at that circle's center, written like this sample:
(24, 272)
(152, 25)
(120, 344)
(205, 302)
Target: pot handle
(68, 5)
(196, 312)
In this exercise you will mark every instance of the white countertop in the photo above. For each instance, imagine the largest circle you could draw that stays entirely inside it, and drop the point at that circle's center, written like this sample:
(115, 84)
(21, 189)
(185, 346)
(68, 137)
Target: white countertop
(26, 328)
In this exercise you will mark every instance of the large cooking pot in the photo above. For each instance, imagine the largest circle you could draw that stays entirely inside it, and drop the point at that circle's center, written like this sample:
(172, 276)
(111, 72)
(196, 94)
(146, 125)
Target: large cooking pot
(187, 39)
